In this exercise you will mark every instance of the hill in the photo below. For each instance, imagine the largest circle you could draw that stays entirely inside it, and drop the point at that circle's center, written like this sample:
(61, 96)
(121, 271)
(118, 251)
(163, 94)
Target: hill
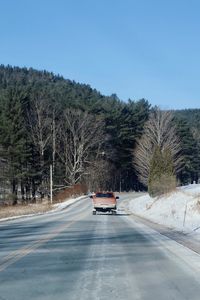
(46, 119)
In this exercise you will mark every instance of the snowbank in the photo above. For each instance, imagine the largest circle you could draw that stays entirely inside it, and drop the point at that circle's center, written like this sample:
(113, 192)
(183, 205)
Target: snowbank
(62, 205)
(179, 210)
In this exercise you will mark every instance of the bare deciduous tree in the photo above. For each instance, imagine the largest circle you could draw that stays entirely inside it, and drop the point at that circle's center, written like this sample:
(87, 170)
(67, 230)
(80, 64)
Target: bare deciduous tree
(80, 137)
(40, 125)
(100, 175)
(158, 131)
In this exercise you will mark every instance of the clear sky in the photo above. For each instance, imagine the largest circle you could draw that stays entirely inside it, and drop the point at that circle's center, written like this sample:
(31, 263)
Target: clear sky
(135, 48)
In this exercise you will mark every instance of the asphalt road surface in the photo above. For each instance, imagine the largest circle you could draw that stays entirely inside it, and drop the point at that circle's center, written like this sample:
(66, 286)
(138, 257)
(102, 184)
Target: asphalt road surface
(73, 255)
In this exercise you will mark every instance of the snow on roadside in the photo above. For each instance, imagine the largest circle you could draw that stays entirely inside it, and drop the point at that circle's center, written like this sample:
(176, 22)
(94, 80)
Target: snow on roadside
(62, 205)
(179, 210)
(56, 207)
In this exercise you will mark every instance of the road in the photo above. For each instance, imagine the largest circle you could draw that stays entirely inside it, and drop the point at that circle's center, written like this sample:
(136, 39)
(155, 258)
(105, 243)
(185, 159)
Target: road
(74, 255)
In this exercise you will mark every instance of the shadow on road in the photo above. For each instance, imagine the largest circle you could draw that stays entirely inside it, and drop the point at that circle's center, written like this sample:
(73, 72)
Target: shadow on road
(113, 215)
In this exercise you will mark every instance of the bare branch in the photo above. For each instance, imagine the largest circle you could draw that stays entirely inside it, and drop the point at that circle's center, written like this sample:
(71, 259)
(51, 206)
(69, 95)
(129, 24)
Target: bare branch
(159, 131)
(80, 135)
(39, 123)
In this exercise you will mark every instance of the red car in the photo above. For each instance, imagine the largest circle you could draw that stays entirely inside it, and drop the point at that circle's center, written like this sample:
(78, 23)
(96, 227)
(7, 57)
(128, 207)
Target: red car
(104, 202)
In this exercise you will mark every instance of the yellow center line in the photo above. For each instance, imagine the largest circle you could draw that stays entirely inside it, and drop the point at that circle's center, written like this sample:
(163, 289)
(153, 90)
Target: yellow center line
(24, 251)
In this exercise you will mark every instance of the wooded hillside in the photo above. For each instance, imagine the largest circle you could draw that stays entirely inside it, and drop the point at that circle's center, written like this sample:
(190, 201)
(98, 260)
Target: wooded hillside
(87, 137)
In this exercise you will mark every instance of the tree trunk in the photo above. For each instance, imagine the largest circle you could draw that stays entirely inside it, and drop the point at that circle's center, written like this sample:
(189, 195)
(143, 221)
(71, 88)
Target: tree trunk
(14, 192)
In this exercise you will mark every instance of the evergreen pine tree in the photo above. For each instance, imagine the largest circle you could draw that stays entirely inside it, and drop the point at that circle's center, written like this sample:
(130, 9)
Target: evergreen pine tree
(161, 176)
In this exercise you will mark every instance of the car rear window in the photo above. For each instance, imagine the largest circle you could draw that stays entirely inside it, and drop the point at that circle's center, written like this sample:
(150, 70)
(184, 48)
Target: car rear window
(104, 195)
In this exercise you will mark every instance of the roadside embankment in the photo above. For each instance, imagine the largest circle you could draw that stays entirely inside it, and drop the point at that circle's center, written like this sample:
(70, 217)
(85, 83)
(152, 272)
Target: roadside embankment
(18, 211)
(179, 210)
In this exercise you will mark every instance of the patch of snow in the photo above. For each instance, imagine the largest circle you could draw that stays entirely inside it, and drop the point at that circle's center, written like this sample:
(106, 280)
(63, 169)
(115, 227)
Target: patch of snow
(179, 210)
(62, 205)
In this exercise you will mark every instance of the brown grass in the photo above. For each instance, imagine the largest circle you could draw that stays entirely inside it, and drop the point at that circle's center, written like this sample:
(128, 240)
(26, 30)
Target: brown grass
(73, 191)
(34, 208)
(164, 185)
(26, 209)
(198, 206)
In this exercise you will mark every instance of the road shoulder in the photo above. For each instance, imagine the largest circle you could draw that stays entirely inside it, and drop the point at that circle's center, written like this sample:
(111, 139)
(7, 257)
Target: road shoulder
(180, 237)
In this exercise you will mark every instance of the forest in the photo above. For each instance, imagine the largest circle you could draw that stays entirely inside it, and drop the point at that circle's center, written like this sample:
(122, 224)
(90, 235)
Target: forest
(86, 137)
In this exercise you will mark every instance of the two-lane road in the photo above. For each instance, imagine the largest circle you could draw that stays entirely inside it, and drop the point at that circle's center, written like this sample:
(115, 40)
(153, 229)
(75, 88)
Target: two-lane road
(73, 254)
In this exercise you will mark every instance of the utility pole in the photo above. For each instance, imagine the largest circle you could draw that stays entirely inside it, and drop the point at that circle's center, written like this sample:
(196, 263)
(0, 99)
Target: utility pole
(51, 184)
(185, 212)
(120, 183)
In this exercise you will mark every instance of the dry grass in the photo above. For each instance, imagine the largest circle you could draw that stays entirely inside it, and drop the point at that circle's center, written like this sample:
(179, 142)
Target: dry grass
(34, 208)
(198, 206)
(73, 191)
(19, 210)
(164, 185)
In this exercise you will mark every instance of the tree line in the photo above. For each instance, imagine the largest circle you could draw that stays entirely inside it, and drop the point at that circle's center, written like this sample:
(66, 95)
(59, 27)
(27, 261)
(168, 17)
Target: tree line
(88, 138)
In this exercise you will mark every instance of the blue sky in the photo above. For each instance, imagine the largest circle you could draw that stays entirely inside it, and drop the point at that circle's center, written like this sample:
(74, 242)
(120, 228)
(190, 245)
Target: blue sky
(136, 49)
